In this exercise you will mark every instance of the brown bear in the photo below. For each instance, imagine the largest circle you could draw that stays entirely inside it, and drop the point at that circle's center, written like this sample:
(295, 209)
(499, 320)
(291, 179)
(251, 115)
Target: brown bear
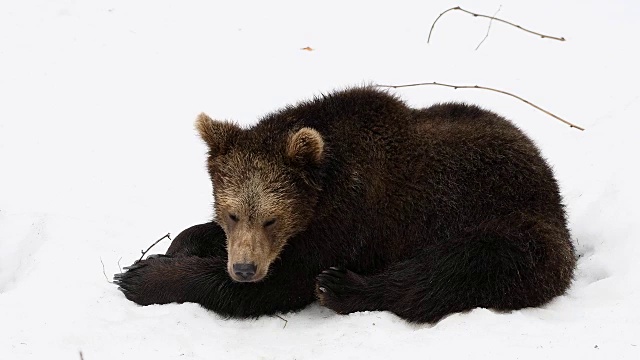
(359, 201)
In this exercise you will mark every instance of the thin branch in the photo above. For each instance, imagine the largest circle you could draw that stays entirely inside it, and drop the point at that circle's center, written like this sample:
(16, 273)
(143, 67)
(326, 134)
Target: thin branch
(283, 319)
(489, 28)
(490, 89)
(168, 236)
(119, 267)
(105, 273)
(438, 18)
(492, 18)
(81, 357)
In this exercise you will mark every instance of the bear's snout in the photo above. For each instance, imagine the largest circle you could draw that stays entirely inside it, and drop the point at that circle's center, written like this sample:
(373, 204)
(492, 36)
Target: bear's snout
(244, 271)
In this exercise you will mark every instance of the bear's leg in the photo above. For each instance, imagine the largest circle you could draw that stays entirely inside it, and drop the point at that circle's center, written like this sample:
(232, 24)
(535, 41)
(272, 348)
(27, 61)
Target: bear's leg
(507, 264)
(204, 280)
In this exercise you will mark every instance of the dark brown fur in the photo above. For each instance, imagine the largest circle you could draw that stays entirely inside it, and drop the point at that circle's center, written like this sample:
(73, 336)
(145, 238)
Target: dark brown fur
(366, 204)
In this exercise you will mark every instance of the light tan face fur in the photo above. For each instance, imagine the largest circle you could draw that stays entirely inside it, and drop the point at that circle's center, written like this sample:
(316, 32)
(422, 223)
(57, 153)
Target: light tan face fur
(257, 220)
(261, 199)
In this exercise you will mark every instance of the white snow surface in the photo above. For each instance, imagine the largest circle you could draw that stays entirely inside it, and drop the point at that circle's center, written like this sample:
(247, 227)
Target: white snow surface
(99, 158)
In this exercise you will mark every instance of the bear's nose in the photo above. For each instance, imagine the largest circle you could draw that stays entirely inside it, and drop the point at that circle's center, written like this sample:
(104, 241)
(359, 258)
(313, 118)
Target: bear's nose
(244, 271)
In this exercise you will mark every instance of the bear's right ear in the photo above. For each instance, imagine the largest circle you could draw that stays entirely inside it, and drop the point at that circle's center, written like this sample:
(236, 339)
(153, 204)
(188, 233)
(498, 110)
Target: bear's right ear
(218, 135)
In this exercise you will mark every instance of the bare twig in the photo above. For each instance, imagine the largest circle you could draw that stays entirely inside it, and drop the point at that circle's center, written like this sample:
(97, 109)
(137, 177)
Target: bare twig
(489, 28)
(168, 236)
(81, 357)
(104, 272)
(119, 267)
(283, 319)
(438, 18)
(490, 89)
(492, 18)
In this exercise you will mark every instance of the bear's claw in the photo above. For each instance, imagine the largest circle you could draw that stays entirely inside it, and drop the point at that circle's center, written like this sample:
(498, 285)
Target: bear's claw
(331, 277)
(156, 256)
(134, 266)
(330, 280)
(124, 291)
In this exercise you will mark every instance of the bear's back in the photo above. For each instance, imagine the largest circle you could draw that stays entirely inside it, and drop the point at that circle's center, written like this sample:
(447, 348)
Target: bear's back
(396, 164)
(369, 120)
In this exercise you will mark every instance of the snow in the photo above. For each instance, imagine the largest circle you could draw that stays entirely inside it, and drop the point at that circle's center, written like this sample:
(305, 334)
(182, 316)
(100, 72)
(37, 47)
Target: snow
(99, 158)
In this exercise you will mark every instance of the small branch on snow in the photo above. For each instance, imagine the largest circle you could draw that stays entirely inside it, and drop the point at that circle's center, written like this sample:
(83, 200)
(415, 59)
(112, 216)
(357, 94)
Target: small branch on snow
(81, 356)
(489, 28)
(492, 18)
(119, 267)
(168, 236)
(283, 319)
(490, 89)
(104, 272)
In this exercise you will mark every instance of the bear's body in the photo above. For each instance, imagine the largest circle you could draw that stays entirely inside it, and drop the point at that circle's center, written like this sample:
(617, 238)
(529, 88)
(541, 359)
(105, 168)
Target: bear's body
(361, 202)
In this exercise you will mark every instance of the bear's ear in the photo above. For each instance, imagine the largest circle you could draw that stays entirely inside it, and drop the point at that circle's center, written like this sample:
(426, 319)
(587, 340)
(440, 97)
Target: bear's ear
(218, 135)
(305, 147)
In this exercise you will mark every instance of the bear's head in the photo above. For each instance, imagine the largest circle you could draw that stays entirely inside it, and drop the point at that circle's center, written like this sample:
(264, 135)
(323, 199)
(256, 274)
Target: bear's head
(265, 185)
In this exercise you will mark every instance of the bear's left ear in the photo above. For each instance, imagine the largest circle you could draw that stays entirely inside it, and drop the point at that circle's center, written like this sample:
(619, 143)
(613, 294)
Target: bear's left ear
(305, 147)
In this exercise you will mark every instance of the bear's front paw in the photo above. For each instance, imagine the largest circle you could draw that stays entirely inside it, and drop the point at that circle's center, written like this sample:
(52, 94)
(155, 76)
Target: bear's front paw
(342, 290)
(145, 282)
